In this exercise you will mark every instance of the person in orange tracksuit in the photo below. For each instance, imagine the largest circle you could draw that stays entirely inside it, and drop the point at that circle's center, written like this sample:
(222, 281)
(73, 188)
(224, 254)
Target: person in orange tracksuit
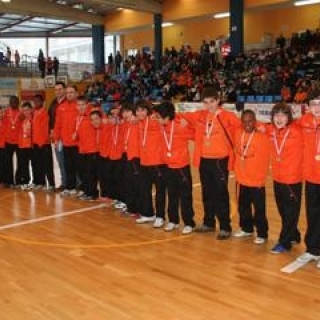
(310, 125)
(104, 161)
(152, 167)
(177, 173)
(11, 133)
(42, 159)
(24, 146)
(252, 156)
(116, 160)
(132, 159)
(88, 133)
(64, 130)
(2, 143)
(214, 129)
(286, 151)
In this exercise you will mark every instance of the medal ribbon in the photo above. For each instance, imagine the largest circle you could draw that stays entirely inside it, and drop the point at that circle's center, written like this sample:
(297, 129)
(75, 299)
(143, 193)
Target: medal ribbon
(168, 140)
(275, 142)
(245, 147)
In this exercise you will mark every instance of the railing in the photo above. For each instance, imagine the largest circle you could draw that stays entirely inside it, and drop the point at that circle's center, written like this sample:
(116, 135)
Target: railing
(29, 67)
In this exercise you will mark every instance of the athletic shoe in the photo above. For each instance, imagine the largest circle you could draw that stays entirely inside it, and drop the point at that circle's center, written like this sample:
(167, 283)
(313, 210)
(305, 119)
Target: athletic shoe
(86, 198)
(242, 234)
(171, 226)
(278, 248)
(144, 219)
(158, 223)
(204, 228)
(307, 257)
(223, 235)
(187, 230)
(259, 240)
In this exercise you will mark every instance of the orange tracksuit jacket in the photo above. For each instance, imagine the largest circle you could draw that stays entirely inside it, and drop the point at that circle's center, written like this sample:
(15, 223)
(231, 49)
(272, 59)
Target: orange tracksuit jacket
(311, 166)
(40, 127)
(151, 143)
(179, 155)
(65, 125)
(25, 134)
(132, 140)
(220, 146)
(289, 169)
(11, 125)
(252, 169)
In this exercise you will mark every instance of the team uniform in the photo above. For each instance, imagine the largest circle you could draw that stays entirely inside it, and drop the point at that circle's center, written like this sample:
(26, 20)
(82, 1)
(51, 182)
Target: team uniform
(252, 156)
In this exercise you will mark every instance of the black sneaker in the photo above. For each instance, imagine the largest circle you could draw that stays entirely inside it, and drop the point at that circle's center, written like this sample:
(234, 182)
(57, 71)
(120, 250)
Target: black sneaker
(204, 228)
(223, 235)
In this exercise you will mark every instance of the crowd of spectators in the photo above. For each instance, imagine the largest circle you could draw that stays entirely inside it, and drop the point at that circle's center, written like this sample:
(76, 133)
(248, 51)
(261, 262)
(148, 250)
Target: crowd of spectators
(291, 71)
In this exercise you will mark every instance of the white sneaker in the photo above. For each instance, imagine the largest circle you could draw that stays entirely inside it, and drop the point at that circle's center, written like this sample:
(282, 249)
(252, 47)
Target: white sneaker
(187, 230)
(120, 205)
(242, 234)
(259, 240)
(72, 192)
(144, 219)
(64, 193)
(158, 223)
(171, 226)
(307, 257)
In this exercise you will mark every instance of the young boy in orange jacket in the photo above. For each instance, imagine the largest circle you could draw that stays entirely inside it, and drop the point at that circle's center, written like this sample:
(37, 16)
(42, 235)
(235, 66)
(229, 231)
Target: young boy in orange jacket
(213, 154)
(42, 159)
(24, 146)
(177, 173)
(252, 156)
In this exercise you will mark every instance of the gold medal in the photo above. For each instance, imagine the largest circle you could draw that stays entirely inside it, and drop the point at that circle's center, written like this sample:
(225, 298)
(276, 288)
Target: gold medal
(317, 157)
(242, 158)
(278, 159)
(207, 143)
(169, 154)
(13, 127)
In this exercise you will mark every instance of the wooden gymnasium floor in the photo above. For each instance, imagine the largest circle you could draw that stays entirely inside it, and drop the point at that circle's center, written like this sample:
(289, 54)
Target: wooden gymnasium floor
(62, 259)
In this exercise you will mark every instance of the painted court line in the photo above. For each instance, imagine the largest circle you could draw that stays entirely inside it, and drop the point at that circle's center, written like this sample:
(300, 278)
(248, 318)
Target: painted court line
(52, 217)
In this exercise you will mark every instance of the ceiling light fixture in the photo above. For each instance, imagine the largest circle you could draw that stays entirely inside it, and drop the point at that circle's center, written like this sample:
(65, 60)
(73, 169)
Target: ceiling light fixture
(5, 1)
(305, 2)
(221, 15)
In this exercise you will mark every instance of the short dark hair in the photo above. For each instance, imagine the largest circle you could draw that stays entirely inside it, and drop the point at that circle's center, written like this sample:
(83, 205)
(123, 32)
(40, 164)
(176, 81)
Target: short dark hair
(27, 104)
(128, 106)
(39, 96)
(144, 104)
(96, 112)
(210, 91)
(61, 83)
(166, 109)
(282, 107)
(248, 111)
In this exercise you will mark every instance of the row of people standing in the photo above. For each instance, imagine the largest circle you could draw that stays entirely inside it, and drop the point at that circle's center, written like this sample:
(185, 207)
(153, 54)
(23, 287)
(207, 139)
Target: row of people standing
(48, 66)
(142, 147)
(25, 132)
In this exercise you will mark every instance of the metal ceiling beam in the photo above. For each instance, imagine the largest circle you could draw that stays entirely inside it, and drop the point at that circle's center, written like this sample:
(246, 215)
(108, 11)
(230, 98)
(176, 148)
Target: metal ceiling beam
(151, 6)
(16, 23)
(44, 8)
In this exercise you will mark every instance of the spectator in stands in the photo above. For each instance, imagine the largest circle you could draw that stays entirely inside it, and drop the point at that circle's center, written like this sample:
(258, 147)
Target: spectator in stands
(56, 64)
(110, 63)
(118, 61)
(17, 58)
(49, 66)
(8, 56)
(41, 63)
